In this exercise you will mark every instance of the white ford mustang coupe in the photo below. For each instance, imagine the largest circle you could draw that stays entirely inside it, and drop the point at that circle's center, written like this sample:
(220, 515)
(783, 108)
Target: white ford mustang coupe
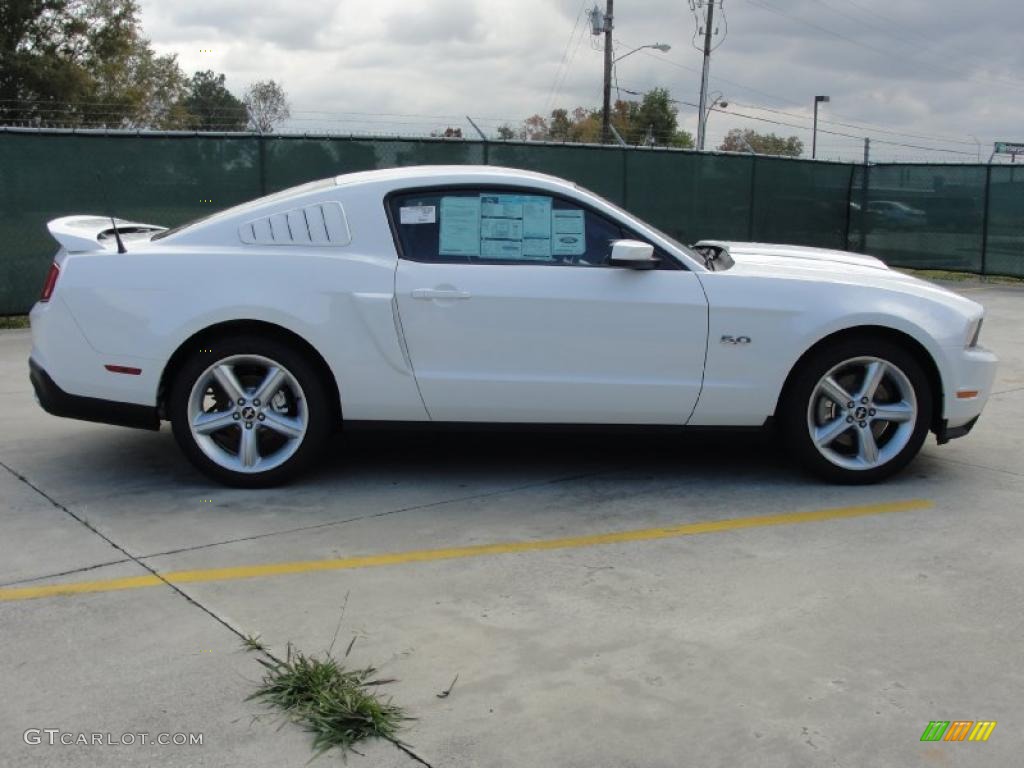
(489, 295)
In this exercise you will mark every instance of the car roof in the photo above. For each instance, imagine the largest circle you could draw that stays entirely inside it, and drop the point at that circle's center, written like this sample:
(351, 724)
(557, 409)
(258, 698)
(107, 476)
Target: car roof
(449, 174)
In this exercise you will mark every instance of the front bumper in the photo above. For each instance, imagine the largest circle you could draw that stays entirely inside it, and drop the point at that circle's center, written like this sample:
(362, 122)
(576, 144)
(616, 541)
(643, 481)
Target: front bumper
(945, 433)
(56, 401)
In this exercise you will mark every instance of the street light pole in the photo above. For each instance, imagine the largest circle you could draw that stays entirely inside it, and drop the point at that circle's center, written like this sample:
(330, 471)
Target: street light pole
(814, 137)
(716, 101)
(606, 112)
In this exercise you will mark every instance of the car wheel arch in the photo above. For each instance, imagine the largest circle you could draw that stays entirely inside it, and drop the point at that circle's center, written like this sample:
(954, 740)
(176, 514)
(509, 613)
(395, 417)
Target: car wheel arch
(902, 338)
(208, 336)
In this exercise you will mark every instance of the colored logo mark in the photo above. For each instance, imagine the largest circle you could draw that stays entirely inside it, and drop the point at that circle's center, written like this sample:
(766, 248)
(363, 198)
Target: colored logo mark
(958, 730)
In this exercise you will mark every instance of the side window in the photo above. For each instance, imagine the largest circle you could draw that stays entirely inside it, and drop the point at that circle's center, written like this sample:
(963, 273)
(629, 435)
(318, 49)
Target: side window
(501, 227)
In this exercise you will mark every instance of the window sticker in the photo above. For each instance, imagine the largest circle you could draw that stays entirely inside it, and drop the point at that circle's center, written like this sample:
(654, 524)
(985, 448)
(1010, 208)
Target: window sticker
(508, 227)
(418, 214)
(460, 226)
(501, 249)
(501, 229)
(568, 236)
(524, 220)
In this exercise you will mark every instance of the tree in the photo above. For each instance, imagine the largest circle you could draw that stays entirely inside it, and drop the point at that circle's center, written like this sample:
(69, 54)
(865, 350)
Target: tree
(506, 132)
(266, 104)
(560, 125)
(653, 121)
(84, 62)
(738, 140)
(535, 128)
(447, 133)
(211, 106)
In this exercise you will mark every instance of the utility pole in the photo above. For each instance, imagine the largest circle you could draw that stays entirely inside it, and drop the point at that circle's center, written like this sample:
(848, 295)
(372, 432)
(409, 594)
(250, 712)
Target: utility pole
(606, 114)
(867, 151)
(702, 118)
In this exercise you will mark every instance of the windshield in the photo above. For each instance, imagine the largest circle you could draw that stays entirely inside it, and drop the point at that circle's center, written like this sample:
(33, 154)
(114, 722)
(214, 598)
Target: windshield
(665, 236)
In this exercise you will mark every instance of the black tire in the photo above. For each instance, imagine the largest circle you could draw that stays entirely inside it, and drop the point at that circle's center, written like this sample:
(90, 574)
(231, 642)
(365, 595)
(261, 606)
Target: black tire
(302, 452)
(797, 411)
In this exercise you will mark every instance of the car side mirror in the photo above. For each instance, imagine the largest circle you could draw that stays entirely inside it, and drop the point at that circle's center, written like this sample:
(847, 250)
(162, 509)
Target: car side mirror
(633, 254)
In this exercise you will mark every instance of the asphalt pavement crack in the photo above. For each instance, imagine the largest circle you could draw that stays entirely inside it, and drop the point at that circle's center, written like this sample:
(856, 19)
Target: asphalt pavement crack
(129, 557)
(316, 526)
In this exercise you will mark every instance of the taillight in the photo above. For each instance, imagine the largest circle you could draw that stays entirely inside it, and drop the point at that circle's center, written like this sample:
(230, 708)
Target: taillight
(51, 282)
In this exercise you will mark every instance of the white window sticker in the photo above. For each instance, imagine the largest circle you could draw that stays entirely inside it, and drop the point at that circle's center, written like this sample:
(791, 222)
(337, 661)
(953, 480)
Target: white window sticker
(417, 214)
(567, 238)
(460, 226)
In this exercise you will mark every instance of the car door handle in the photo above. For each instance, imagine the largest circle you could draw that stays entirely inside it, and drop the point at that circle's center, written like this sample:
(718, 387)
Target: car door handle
(437, 293)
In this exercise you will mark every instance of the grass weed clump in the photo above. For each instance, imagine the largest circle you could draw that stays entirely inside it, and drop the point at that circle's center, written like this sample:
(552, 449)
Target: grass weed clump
(339, 706)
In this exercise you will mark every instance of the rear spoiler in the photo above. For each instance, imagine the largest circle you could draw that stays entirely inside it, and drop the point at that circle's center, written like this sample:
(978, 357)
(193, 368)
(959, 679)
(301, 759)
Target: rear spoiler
(93, 233)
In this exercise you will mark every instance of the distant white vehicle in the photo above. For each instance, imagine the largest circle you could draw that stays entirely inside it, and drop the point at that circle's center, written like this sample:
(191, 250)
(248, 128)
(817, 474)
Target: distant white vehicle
(482, 294)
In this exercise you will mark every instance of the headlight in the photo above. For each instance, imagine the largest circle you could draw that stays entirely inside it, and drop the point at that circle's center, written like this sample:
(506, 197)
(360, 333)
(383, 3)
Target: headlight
(973, 332)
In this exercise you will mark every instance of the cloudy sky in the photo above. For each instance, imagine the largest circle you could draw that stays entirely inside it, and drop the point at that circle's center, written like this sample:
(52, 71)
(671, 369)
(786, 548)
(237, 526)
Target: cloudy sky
(932, 74)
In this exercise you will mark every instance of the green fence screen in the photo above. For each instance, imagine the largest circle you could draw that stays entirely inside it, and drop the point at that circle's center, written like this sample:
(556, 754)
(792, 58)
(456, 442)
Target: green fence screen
(959, 217)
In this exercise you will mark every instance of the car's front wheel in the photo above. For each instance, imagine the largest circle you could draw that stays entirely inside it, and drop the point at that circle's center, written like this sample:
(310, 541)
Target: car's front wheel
(859, 411)
(250, 412)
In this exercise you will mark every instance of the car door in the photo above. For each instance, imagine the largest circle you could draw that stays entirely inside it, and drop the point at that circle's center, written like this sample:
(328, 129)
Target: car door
(511, 313)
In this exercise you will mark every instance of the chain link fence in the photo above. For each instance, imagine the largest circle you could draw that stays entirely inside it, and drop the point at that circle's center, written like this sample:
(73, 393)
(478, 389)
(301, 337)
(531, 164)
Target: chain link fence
(953, 217)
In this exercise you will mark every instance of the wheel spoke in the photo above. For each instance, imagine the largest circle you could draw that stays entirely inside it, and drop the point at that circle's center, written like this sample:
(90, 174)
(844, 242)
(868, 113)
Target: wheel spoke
(271, 383)
(208, 423)
(872, 378)
(895, 412)
(868, 448)
(831, 389)
(284, 425)
(248, 449)
(826, 434)
(225, 376)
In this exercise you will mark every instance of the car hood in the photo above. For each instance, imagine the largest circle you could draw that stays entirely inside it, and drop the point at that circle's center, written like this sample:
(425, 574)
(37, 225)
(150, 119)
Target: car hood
(837, 267)
(749, 252)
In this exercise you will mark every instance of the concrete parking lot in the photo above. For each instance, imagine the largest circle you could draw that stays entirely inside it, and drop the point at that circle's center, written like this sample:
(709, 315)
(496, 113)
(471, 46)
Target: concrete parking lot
(646, 601)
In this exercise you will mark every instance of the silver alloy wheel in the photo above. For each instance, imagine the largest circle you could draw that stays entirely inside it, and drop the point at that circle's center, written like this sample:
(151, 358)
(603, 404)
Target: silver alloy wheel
(862, 413)
(247, 413)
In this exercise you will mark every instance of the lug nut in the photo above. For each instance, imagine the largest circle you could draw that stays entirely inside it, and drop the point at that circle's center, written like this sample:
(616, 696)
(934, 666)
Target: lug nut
(871, 412)
(261, 417)
(256, 402)
(863, 401)
(849, 419)
(237, 416)
(248, 425)
(850, 404)
(241, 401)
(863, 425)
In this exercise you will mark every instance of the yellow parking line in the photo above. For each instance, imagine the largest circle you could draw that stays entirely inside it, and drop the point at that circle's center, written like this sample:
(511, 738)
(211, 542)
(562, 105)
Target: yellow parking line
(427, 555)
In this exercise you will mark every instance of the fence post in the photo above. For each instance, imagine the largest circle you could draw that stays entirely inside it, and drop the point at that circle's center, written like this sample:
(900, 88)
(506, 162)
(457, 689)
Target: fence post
(263, 164)
(753, 196)
(984, 218)
(625, 178)
(865, 183)
(849, 207)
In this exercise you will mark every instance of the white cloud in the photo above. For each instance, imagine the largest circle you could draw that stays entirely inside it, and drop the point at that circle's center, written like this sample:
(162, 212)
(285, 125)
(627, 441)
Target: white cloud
(925, 68)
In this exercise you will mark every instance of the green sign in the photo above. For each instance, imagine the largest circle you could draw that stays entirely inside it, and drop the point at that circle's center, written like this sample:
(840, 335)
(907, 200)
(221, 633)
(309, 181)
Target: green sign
(1009, 148)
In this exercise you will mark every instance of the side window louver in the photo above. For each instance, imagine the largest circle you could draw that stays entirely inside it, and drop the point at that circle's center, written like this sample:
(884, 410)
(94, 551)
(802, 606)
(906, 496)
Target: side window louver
(317, 224)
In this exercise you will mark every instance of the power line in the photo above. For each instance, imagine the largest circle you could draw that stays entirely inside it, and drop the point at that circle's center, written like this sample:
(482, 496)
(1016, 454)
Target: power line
(820, 130)
(874, 49)
(565, 61)
(928, 42)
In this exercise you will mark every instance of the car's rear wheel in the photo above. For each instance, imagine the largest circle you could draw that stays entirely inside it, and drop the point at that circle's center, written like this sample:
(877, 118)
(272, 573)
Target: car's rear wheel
(250, 412)
(859, 411)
